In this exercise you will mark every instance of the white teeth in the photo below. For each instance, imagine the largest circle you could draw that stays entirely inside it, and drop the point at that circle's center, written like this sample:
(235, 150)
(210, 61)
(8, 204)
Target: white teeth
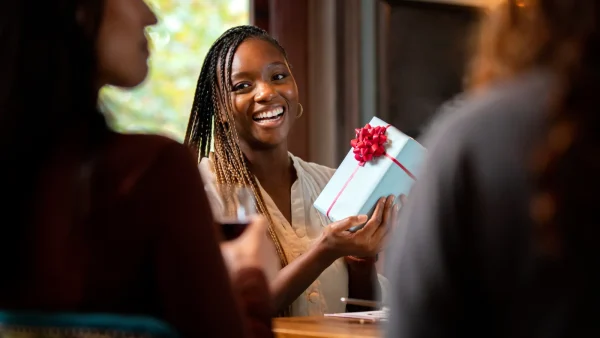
(269, 114)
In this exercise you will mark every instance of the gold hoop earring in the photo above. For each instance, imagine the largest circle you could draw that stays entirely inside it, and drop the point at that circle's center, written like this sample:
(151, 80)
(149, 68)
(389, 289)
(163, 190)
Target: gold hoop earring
(301, 111)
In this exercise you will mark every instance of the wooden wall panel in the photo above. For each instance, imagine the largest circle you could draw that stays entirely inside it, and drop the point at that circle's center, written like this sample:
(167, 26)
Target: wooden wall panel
(322, 78)
(425, 60)
(288, 23)
(259, 13)
(348, 74)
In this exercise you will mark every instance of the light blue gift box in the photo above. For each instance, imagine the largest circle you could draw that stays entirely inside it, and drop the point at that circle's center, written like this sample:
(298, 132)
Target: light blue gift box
(354, 190)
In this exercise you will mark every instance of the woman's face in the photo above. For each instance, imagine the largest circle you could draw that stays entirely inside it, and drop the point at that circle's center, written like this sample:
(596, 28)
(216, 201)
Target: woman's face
(265, 95)
(122, 45)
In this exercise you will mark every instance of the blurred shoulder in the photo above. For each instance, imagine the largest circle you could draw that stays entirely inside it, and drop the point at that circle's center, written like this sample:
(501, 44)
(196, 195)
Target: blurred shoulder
(132, 155)
(145, 147)
(516, 102)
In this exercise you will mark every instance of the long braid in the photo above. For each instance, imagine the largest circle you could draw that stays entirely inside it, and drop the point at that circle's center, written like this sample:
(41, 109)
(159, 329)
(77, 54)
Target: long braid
(212, 117)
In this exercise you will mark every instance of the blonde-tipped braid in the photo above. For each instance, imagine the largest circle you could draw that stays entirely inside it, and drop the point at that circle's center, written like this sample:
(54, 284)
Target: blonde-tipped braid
(231, 167)
(211, 118)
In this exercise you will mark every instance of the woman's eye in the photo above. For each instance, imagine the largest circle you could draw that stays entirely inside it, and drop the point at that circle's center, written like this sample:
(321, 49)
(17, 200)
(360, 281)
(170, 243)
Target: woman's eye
(240, 86)
(278, 77)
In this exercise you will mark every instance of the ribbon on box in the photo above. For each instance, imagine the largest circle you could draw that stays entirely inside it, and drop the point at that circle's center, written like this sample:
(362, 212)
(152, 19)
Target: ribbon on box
(369, 144)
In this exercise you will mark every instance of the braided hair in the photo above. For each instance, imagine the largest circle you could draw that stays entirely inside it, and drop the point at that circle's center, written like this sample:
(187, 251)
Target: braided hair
(212, 116)
(563, 36)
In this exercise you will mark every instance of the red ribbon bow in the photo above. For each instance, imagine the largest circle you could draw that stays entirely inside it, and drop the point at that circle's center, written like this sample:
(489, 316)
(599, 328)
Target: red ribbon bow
(369, 143)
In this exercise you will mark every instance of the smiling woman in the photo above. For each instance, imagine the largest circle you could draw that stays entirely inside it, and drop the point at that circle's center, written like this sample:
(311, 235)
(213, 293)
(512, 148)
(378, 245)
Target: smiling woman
(185, 31)
(247, 99)
(263, 94)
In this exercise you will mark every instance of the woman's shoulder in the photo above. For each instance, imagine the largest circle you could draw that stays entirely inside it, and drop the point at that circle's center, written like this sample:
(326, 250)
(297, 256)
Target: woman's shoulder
(319, 173)
(315, 170)
(143, 144)
(133, 155)
(316, 173)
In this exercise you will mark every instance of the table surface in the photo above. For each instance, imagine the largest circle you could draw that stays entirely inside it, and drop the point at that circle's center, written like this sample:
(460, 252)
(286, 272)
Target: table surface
(331, 327)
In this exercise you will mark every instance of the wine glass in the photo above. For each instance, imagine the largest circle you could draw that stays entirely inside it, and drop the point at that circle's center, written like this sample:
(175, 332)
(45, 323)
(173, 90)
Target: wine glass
(233, 209)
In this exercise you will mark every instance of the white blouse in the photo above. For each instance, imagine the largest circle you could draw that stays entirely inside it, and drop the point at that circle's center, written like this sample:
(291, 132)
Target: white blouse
(323, 295)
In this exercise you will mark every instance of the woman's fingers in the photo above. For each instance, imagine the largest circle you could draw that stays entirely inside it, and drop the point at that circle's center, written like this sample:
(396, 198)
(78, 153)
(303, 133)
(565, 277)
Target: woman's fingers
(348, 223)
(375, 220)
(388, 218)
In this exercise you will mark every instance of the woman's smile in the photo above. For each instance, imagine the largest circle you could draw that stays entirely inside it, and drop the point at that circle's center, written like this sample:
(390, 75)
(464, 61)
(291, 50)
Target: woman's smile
(270, 117)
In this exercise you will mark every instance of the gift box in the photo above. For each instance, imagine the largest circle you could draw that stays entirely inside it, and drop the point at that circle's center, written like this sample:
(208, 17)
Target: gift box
(383, 161)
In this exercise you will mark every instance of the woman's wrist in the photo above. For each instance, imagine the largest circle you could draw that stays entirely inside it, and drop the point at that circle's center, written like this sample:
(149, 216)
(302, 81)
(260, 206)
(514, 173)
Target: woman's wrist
(366, 260)
(324, 252)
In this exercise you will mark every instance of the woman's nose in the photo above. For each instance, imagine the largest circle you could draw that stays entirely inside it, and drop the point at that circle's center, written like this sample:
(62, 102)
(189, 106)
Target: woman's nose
(150, 16)
(265, 92)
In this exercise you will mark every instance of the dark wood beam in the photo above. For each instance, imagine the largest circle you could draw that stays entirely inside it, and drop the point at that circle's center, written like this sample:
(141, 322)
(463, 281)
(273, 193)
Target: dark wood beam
(259, 13)
(288, 23)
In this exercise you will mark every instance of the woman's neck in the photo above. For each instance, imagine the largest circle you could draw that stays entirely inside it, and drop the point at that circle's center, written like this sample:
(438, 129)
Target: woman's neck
(270, 166)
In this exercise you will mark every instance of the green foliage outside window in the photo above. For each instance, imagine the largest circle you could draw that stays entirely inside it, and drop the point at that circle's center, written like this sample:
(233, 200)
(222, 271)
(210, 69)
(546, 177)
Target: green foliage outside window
(185, 32)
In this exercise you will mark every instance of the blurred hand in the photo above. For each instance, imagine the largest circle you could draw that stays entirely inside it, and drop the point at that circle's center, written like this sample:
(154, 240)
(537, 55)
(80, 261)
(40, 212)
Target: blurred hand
(396, 214)
(397, 208)
(403, 200)
(252, 249)
(366, 242)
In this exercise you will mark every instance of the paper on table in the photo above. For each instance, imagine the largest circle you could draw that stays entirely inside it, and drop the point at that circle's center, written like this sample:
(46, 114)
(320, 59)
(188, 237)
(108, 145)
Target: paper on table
(367, 315)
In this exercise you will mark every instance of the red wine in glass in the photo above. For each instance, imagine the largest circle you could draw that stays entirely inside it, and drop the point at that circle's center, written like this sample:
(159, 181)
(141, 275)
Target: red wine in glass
(233, 229)
(233, 209)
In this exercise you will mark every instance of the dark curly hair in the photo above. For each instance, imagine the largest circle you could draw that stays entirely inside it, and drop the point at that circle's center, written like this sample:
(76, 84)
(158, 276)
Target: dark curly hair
(563, 36)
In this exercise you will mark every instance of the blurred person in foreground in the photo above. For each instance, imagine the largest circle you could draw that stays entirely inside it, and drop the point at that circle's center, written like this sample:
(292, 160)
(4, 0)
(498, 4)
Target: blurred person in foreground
(97, 221)
(499, 236)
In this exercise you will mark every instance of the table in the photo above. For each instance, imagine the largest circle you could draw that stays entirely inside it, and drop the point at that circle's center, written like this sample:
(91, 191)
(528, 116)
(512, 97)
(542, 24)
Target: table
(321, 327)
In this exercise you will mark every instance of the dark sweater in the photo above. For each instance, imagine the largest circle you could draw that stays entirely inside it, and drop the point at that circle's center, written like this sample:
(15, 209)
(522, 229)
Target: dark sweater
(146, 244)
(464, 262)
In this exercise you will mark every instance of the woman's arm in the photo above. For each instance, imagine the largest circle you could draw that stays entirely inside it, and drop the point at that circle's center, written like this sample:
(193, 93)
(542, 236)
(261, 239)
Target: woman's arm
(336, 242)
(297, 276)
(362, 281)
(193, 286)
(254, 291)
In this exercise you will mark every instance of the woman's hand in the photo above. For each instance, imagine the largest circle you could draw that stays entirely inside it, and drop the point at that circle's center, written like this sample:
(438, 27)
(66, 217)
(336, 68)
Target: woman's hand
(366, 242)
(253, 249)
(335, 242)
(397, 209)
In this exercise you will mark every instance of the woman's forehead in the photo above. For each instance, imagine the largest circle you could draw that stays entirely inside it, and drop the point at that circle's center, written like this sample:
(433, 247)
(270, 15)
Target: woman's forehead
(256, 53)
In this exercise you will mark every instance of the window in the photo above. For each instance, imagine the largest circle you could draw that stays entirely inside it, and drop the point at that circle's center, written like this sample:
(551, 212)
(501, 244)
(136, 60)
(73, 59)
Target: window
(186, 30)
